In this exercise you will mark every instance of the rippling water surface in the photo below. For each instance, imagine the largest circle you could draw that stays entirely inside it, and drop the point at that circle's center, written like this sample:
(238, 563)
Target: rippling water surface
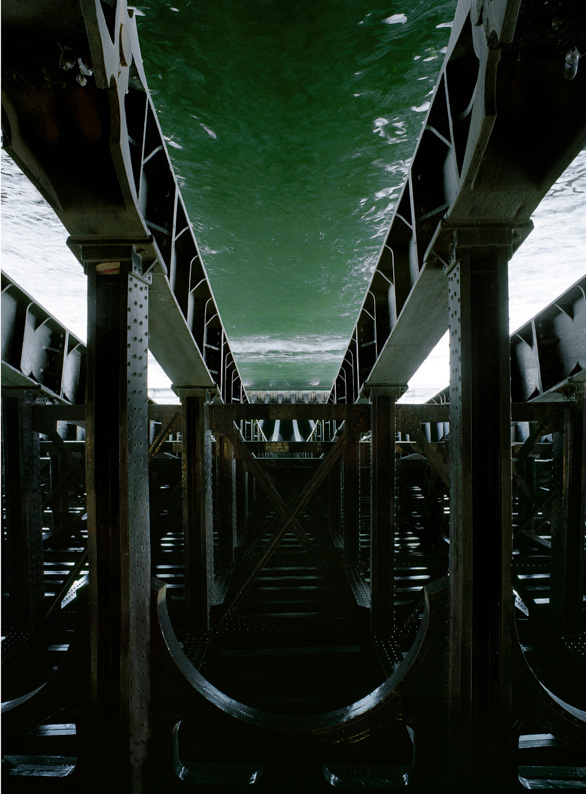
(291, 126)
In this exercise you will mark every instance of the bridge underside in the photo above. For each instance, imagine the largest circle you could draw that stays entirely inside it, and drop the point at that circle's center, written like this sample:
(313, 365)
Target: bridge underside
(294, 595)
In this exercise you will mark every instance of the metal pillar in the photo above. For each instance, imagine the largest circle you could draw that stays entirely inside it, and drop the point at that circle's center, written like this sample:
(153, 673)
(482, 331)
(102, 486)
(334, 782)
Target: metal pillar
(567, 539)
(351, 506)
(226, 502)
(481, 745)
(118, 518)
(22, 551)
(241, 501)
(197, 509)
(335, 503)
(60, 501)
(382, 562)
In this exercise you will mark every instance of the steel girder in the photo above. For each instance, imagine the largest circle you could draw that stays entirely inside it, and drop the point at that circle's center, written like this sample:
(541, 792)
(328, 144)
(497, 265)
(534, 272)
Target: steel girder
(548, 354)
(38, 352)
(482, 162)
(78, 119)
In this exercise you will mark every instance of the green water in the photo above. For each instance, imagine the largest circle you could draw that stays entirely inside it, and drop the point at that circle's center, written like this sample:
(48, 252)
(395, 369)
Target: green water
(291, 125)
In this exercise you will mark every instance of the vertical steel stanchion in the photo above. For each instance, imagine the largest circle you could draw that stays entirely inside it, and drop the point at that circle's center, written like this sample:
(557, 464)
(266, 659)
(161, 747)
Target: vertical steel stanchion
(226, 502)
(197, 509)
(351, 505)
(382, 554)
(567, 540)
(481, 744)
(118, 517)
(22, 545)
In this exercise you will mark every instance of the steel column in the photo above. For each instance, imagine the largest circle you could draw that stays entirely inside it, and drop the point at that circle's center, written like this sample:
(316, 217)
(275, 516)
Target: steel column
(335, 503)
(226, 502)
(22, 551)
(118, 518)
(567, 540)
(197, 509)
(382, 560)
(480, 742)
(351, 505)
(60, 483)
(241, 501)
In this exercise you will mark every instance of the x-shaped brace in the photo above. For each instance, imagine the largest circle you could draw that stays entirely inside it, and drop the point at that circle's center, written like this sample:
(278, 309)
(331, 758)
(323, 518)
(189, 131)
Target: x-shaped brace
(288, 513)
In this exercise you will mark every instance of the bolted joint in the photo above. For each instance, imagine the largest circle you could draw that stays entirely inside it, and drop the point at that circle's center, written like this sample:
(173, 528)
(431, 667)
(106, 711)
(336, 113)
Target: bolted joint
(208, 395)
(483, 235)
(113, 257)
(386, 390)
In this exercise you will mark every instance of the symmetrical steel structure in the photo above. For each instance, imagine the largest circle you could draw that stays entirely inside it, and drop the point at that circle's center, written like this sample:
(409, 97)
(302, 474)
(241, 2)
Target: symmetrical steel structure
(357, 593)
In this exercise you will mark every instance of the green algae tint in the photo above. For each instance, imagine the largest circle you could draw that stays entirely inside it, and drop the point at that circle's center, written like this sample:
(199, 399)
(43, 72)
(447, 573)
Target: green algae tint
(291, 126)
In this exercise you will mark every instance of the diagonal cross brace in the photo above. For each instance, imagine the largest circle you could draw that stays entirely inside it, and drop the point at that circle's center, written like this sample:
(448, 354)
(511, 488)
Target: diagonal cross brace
(77, 468)
(172, 426)
(288, 513)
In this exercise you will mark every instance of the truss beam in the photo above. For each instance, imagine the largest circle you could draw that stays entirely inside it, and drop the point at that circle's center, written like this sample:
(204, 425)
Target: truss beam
(479, 163)
(88, 137)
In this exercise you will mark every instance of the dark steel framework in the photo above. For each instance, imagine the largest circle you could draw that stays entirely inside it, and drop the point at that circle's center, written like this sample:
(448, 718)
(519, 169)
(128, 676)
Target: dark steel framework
(351, 594)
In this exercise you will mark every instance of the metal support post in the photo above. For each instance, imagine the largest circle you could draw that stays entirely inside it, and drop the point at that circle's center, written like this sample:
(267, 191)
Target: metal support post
(382, 552)
(197, 509)
(241, 501)
(226, 502)
(22, 551)
(60, 502)
(335, 502)
(481, 741)
(118, 518)
(351, 506)
(567, 539)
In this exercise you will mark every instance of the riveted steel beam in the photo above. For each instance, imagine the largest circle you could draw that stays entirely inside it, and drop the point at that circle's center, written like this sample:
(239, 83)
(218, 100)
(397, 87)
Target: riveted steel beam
(479, 163)
(226, 506)
(548, 354)
(224, 416)
(351, 526)
(568, 524)
(78, 119)
(197, 508)
(38, 352)
(118, 523)
(382, 551)
(481, 746)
